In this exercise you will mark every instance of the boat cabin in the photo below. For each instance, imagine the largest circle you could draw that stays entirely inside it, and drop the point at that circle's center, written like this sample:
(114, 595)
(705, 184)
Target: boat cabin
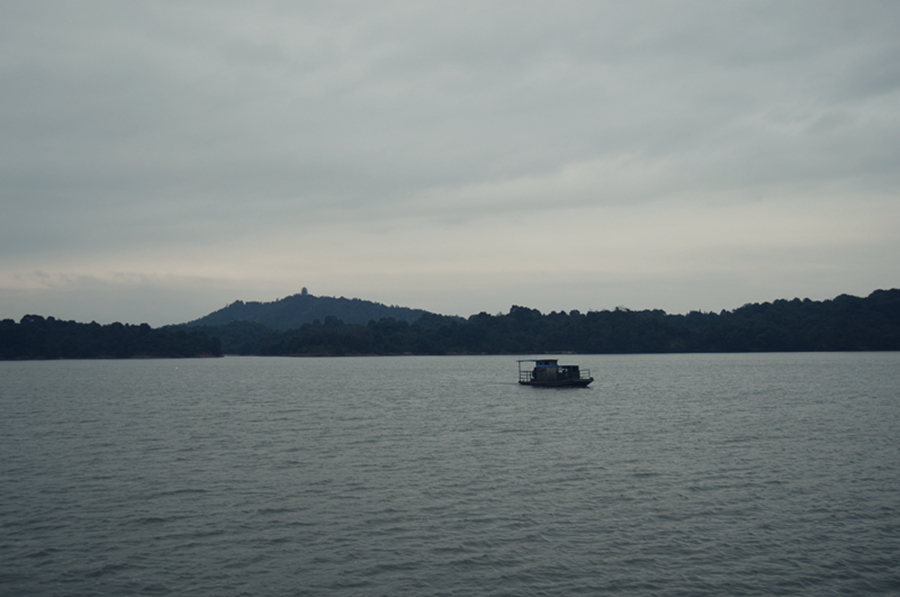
(548, 372)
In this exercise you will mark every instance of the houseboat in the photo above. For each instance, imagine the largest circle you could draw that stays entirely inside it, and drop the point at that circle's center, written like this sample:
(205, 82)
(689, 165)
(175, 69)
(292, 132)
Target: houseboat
(549, 373)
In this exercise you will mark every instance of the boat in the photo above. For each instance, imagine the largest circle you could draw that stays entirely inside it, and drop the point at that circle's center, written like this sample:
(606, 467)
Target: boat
(549, 373)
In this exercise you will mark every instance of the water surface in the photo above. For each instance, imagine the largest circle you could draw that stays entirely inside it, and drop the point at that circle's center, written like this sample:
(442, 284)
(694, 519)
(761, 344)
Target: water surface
(772, 474)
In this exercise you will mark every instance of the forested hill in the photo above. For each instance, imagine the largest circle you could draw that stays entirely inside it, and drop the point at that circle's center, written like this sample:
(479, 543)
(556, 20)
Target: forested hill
(294, 311)
(846, 323)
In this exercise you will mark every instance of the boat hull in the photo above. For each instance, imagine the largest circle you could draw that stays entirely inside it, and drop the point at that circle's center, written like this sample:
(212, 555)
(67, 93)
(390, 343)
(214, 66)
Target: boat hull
(561, 383)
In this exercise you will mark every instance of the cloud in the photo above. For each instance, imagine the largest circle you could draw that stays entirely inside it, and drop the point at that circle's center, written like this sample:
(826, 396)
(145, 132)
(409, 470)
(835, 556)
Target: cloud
(400, 151)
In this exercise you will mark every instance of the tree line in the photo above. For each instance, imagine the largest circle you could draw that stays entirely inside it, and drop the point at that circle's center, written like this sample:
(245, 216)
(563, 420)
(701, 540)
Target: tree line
(846, 323)
(36, 337)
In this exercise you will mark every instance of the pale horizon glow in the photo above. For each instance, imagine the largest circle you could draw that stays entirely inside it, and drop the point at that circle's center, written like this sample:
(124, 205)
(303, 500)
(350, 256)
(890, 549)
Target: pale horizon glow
(160, 161)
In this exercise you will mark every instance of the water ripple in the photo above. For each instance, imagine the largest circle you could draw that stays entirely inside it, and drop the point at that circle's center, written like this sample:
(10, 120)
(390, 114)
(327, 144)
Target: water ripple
(672, 475)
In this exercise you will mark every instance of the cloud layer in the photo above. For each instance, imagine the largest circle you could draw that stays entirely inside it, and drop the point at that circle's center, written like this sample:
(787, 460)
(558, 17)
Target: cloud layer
(158, 160)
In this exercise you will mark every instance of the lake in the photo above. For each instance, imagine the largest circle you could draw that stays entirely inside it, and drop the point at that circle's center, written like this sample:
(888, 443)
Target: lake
(737, 474)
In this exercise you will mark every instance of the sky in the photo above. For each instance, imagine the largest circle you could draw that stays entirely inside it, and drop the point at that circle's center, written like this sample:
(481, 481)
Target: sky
(160, 160)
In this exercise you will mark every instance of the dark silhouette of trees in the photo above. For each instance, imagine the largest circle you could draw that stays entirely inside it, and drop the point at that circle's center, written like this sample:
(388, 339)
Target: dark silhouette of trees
(844, 323)
(35, 337)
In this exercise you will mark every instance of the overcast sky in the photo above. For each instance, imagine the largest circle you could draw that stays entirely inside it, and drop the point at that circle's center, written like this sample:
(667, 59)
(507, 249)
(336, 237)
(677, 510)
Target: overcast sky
(159, 160)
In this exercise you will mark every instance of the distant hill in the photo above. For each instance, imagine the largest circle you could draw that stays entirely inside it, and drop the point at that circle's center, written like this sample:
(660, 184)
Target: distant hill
(308, 325)
(295, 311)
(845, 323)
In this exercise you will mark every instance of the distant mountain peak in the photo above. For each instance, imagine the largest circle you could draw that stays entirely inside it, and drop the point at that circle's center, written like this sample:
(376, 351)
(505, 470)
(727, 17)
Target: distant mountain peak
(296, 310)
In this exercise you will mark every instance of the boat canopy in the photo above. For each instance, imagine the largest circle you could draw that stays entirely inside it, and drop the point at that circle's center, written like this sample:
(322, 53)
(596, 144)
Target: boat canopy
(540, 362)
